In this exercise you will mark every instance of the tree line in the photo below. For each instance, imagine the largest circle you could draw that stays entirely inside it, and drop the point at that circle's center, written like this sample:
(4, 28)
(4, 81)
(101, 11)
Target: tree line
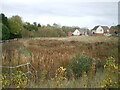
(14, 27)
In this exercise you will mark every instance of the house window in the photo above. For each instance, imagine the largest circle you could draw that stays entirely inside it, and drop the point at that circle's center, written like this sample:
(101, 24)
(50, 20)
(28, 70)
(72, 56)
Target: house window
(100, 29)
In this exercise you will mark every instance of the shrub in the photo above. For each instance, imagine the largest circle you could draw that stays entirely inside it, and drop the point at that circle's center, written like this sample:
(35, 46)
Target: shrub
(78, 65)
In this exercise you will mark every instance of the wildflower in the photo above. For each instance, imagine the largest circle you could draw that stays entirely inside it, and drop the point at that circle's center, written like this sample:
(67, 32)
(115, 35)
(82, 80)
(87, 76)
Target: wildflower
(62, 68)
(116, 67)
(110, 81)
(104, 66)
(18, 87)
(102, 86)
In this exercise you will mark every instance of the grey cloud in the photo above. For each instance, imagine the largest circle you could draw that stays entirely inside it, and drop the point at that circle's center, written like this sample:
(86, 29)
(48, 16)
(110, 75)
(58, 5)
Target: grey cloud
(64, 9)
(102, 12)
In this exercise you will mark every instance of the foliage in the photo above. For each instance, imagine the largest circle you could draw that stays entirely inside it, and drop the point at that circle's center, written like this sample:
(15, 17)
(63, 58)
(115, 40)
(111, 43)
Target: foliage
(115, 29)
(111, 74)
(67, 29)
(28, 34)
(5, 32)
(31, 27)
(50, 32)
(79, 64)
(18, 80)
(56, 25)
(12, 36)
(39, 25)
(18, 29)
(43, 76)
(4, 20)
(60, 76)
(15, 24)
(0, 31)
(4, 27)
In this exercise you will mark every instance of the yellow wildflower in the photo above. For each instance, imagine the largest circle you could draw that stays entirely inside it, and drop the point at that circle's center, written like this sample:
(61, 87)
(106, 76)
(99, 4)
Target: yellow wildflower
(104, 66)
(116, 67)
(110, 81)
(102, 86)
(18, 87)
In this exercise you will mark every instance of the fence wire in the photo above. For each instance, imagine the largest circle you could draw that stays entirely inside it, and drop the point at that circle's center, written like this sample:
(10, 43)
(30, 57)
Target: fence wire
(36, 74)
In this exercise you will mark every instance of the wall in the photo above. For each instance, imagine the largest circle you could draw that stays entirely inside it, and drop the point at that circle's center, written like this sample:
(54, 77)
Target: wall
(99, 30)
(76, 33)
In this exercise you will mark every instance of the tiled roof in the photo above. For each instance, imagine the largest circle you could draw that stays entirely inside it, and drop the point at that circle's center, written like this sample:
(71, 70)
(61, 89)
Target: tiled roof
(105, 28)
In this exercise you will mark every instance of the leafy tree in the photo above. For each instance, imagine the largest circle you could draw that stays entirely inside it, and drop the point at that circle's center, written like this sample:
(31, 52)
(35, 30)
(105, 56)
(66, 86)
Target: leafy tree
(0, 31)
(39, 25)
(4, 27)
(56, 25)
(35, 24)
(4, 19)
(5, 32)
(16, 25)
(30, 27)
(115, 29)
(67, 29)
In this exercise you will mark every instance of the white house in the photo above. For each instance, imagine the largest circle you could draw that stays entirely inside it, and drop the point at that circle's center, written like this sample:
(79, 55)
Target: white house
(100, 30)
(78, 32)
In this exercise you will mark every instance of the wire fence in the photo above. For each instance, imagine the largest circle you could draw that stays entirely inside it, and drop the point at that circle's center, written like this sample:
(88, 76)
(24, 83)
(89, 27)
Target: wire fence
(29, 65)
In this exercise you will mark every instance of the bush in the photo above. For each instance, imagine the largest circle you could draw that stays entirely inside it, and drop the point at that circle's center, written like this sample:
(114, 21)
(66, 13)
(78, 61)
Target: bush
(78, 65)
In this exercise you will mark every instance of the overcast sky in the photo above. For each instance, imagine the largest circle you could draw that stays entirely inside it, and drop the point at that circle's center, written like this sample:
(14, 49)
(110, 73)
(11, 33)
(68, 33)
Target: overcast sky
(64, 12)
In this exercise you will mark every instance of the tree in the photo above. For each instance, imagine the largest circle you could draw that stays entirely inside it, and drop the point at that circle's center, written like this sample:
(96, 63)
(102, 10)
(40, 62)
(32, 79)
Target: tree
(115, 29)
(30, 27)
(56, 25)
(4, 19)
(5, 32)
(4, 27)
(16, 25)
(35, 24)
(39, 25)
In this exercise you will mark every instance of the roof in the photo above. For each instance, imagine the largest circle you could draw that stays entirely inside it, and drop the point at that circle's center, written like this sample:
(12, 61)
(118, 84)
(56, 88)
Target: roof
(95, 27)
(82, 31)
(105, 28)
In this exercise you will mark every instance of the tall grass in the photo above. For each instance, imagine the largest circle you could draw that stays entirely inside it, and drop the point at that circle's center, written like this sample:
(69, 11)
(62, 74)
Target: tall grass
(50, 54)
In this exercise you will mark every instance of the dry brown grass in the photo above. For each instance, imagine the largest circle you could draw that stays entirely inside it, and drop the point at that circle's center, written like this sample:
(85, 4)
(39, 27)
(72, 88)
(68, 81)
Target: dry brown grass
(51, 53)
